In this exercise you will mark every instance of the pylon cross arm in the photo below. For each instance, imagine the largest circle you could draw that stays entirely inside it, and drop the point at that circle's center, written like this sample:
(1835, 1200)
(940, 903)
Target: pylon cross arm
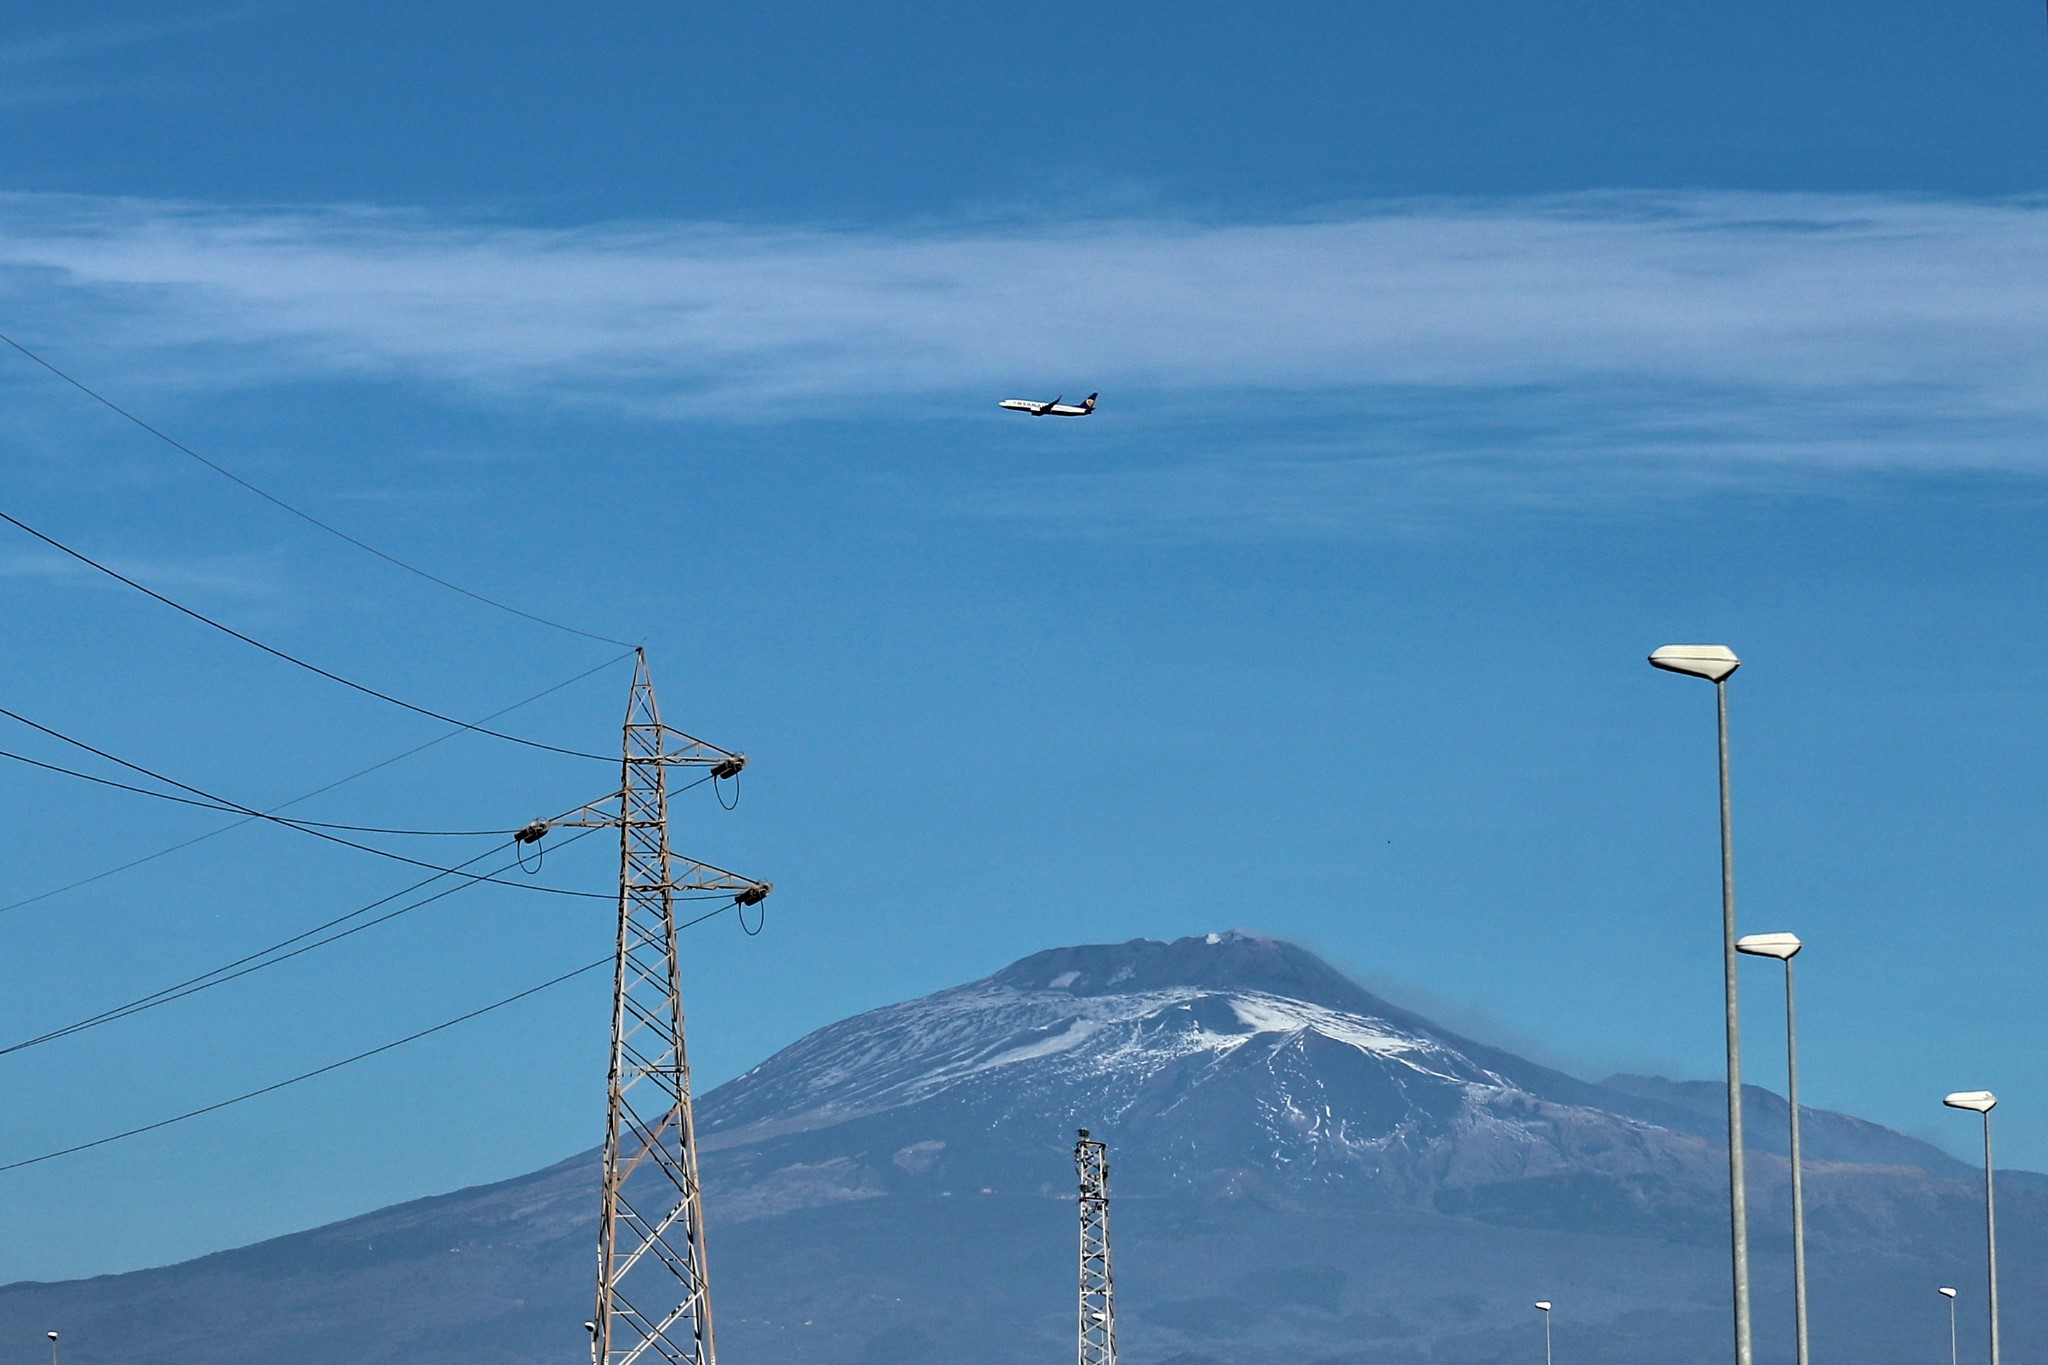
(671, 746)
(696, 876)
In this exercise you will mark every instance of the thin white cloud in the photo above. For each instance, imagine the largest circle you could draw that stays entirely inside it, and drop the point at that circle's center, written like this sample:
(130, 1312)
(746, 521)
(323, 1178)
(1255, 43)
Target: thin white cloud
(245, 577)
(27, 60)
(1830, 332)
(73, 42)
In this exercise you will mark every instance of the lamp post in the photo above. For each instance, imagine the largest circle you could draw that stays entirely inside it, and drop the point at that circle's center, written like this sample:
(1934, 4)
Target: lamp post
(53, 1346)
(1715, 663)
(1544, 1304)
(1950, 1295)
(1785, 947)
(1983, 1102)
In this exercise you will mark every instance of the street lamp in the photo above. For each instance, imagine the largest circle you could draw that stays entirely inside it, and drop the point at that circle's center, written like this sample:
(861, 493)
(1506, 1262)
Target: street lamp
(1715, 663)
(1950, 1295)
(53, 1346)
(1983, 1102)
(1544, 1304)
(1785, 947)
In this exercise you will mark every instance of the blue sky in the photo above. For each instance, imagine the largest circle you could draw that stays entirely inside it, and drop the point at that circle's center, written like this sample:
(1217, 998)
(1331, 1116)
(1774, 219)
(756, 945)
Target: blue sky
(1452, 358)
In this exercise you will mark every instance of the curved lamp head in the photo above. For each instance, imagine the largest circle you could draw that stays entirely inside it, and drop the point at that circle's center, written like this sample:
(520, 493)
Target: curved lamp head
(1544, 1304)
(51, 1335)
(1983, 1101)
(1780, 946)
(1946, 1292)
(1712, 662)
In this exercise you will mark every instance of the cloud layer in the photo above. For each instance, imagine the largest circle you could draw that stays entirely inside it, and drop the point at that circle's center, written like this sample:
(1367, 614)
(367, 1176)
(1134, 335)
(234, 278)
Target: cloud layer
(1839, 331)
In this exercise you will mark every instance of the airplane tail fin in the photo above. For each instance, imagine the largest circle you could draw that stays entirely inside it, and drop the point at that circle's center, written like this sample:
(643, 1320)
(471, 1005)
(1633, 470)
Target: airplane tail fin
(1088, 403)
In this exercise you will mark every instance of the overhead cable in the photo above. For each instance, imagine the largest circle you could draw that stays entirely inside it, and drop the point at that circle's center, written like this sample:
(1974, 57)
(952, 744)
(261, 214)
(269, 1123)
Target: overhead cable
(317, 791)
(309, 1075)
(605, 961)
(302, 515)
(223, 803)
(273, 954)
(228, 971)
(266, 957)
(293, 659)
(293, 821)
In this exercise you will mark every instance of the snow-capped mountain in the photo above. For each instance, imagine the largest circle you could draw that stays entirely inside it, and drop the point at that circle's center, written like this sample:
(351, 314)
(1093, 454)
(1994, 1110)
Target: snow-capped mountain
(1301, 1169)
(1085, 1027)
(1225, 1062)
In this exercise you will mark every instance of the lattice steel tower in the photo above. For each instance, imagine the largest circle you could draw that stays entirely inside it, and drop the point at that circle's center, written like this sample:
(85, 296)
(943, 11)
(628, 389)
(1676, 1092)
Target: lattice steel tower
(1098, 1290)
(653, 1285)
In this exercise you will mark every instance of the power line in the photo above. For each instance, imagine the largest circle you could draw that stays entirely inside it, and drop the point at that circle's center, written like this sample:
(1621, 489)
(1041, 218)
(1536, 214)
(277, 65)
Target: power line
(223, 803)
(570, 975)
(304, 516)
(297, 662)
(214, 805)
(263, 957)
(226, 971)
(292, 659)
(317, 791)
(309, 1075)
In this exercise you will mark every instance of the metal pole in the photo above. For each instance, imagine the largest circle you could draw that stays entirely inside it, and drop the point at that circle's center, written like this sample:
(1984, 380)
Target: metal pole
(1991, 1235)
(1738, 1200)
(1798, 1191)
(1546, 1338)
(1951, 1329)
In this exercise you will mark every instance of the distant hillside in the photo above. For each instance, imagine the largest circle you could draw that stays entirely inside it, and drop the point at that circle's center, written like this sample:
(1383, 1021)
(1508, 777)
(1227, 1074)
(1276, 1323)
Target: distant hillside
(1300, 1170)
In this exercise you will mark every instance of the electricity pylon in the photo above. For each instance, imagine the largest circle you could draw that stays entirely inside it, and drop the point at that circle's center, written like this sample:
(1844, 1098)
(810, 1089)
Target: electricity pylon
(653, 1285)
(1098, 1291)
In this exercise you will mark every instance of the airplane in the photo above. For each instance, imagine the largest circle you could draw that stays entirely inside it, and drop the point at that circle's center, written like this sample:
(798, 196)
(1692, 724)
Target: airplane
(1053, 409)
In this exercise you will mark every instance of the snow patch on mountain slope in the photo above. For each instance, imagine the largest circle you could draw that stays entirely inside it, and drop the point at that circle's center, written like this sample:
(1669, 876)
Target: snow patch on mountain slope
(1075, 1034)
(1255, 1068)
(971, 1035)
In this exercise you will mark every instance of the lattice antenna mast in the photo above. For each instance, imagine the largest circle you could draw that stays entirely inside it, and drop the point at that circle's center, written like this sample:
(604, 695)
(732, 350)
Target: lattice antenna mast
(1098, 1291)
(653, 1284)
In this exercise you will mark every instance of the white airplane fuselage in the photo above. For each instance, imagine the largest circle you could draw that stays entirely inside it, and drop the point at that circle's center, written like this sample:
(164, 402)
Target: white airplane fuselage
(1053, 409)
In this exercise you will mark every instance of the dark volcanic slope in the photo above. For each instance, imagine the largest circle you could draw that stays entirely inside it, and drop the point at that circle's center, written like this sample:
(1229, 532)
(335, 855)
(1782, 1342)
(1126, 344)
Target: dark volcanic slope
(1300, 1168)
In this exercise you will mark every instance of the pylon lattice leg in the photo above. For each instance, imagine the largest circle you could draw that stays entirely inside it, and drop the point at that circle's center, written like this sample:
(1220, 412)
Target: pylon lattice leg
(1098, 1290)
(653, 1290)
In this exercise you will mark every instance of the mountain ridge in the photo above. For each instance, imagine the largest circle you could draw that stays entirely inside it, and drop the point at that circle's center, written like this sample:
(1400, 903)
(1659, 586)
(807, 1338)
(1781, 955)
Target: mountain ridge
(1323, 1166)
